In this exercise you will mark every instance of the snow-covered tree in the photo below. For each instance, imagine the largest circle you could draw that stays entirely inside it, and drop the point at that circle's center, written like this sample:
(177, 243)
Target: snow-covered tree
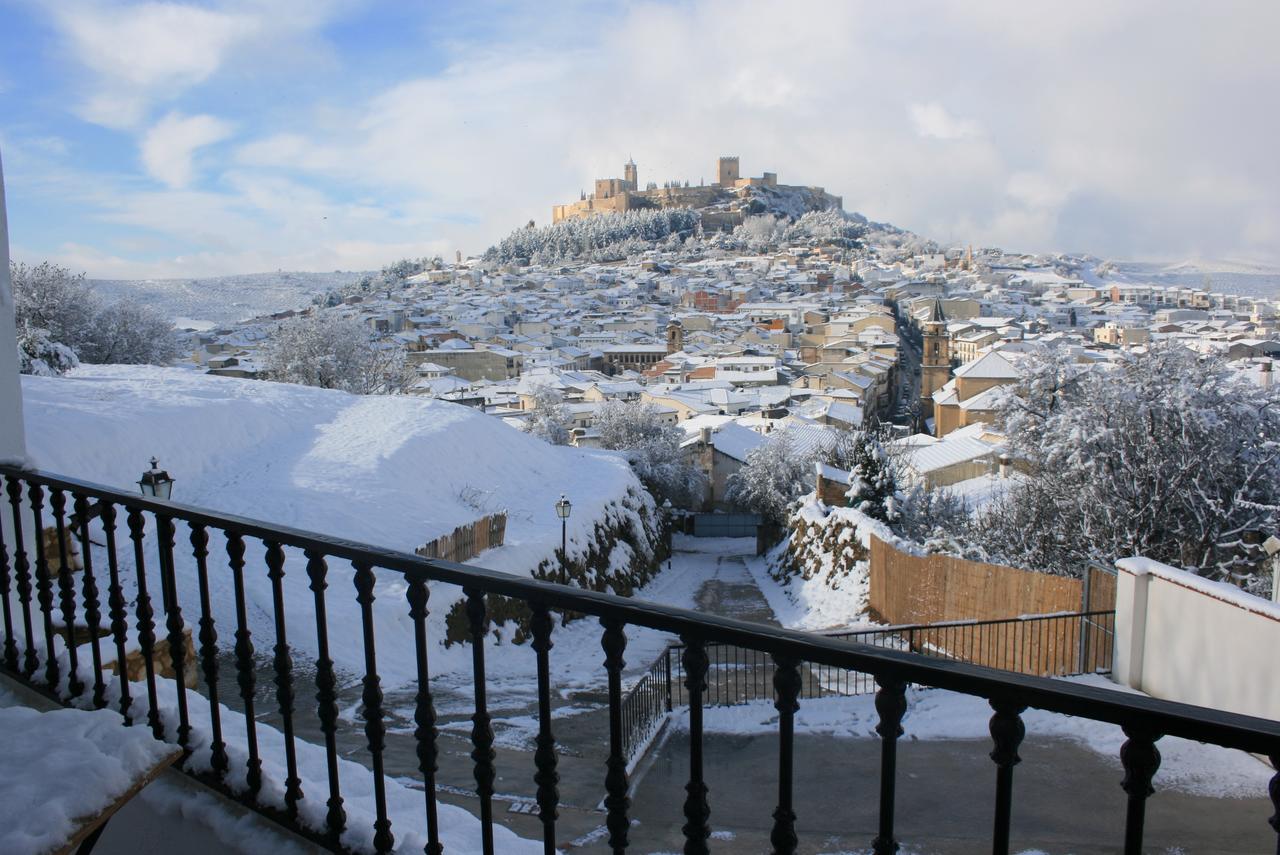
(335, 352)
(550, 420)
(1167, 454)
(774, 476)
(130, 333)
(53, 299)
(54, 306)
(604, 237)
(653, 447)
(873, 486)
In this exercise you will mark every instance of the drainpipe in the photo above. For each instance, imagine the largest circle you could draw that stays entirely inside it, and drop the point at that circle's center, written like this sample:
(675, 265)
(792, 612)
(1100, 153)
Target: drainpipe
(13, 445)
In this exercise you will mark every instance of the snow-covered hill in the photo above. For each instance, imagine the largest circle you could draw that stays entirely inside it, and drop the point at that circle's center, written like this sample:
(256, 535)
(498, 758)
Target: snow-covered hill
(226, 299)
(391, 471)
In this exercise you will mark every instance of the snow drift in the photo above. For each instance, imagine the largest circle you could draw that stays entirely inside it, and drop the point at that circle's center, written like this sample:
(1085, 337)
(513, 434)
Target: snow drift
(391, 471)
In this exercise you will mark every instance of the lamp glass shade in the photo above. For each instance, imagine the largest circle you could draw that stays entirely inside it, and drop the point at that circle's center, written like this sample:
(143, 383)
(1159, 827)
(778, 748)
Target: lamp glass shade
(563, 507)
(156, 483)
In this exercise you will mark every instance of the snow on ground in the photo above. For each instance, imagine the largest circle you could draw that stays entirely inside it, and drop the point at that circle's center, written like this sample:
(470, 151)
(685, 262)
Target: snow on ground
(391, 471)
(62, 768)
(1187, 766)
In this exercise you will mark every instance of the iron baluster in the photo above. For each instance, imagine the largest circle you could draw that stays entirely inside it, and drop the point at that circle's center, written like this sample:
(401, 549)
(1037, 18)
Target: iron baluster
(44, 587)
(209, 649)
(482, 753)
(66, 590)
(544, 758)
(1140, 759)
(616, 803)
(786, 685)
(697, 811)
(10, 645)
(326, 695)
(116, 604)
(374, 729)
(145, 624)
(22, 577)
(1007, 731)
(424, 716)
(245, 677)
(891, 706)
(165, 533)
(282, 662)
(92, 608)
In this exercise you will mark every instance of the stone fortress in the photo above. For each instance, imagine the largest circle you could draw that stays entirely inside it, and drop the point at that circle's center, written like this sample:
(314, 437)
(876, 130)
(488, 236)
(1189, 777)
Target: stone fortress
(722, 204)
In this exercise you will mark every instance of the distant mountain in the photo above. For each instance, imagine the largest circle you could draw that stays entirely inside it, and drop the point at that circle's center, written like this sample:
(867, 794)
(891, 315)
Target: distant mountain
(218, 300)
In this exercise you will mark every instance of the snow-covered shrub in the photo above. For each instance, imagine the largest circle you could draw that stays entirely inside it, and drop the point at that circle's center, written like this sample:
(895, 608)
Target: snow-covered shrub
(653, 448)
(40, 355)
(335, 352)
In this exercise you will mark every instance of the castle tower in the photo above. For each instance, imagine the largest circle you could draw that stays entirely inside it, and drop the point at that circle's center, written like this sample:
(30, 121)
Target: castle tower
(630, 175)
(675, 337)
(935, 363)
(727, 170)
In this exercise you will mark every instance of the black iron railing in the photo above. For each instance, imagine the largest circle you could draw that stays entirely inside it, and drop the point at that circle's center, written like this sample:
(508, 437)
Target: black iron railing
(36, 634)
(1055, 645)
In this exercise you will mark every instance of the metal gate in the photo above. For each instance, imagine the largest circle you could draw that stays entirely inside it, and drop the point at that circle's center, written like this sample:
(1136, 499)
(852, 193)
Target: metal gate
(1097, 636)
(725, 525)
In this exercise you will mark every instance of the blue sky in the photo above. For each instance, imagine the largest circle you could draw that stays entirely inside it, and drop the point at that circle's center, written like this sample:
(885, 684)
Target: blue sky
(189, 139)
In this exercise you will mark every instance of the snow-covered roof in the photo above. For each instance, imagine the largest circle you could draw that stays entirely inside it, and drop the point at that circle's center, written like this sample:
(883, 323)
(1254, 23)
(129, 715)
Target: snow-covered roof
(992, 365)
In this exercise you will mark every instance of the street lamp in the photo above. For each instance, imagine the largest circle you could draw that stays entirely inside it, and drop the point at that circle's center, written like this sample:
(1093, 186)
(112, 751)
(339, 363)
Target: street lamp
(563, 508)
(155, 482)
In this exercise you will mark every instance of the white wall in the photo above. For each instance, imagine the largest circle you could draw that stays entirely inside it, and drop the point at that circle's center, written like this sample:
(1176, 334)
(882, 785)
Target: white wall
(1184, 638)
(12, 443)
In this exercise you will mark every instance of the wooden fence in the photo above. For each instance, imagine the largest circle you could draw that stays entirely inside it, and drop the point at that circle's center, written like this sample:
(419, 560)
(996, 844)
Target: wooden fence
(908, 589)
(467, 541)
(932, 589)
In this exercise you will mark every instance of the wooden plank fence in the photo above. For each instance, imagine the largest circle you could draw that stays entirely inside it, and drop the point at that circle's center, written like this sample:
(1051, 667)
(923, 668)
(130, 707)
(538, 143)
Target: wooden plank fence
(467, 541)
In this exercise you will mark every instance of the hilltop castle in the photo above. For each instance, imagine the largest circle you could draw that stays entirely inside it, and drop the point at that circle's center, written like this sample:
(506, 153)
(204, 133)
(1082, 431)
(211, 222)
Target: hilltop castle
(722, 204)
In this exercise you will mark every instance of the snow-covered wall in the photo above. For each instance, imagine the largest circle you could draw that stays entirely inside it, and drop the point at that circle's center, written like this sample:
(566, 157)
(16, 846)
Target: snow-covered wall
(1185, 638)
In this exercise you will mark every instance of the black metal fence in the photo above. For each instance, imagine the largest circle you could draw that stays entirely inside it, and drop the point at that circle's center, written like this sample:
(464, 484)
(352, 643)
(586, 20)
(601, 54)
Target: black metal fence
(42, 646)
(1056, 645)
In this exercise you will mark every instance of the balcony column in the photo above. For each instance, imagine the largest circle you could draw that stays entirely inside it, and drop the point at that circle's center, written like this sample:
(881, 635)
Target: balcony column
(13, 446)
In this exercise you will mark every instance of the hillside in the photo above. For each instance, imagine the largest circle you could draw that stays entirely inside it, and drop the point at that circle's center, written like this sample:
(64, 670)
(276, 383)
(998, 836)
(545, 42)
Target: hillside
(391, 471)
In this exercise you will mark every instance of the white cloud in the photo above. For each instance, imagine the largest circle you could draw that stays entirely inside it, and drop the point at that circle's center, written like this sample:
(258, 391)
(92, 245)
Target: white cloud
(971, 124)
(148, 50)
(169, 146)
(932, 120)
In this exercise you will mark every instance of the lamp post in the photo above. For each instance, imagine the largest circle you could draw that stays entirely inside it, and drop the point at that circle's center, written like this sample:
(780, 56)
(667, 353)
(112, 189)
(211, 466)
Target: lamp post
(563, 508)
(155, 482)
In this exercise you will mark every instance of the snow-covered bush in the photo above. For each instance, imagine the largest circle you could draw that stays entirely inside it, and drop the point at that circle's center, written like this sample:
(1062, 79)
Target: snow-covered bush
(775, 474)
(335, 352)
(653, 448)
(1168, 455)
(40, 355)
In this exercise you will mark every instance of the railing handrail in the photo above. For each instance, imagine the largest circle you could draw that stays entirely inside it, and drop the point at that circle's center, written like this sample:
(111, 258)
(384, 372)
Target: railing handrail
(1170, 718)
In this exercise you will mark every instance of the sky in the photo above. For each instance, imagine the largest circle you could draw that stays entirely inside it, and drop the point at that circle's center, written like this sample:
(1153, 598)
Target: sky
(160, 139)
